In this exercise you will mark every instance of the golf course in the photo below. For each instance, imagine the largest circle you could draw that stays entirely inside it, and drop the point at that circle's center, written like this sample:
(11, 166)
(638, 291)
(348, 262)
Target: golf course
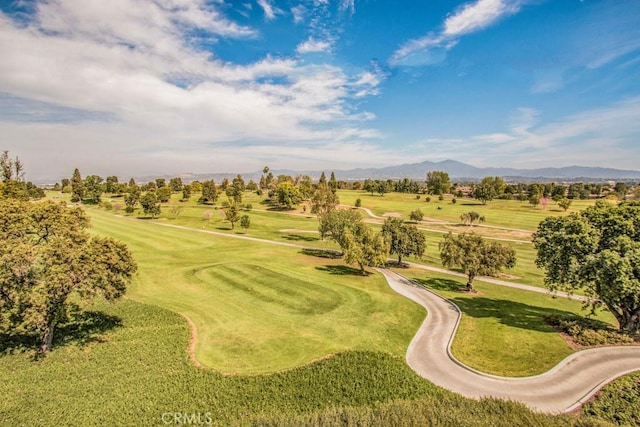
(267, 325)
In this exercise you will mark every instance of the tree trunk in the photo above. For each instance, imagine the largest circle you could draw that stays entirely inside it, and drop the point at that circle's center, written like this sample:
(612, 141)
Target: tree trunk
(47, 338)
(630, 321)
(470, 282)
(399, 260)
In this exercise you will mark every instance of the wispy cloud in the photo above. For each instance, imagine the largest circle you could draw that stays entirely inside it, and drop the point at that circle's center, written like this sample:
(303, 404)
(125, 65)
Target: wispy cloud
(313, 45)
(269, 11)
(470, 18)
(298, 13)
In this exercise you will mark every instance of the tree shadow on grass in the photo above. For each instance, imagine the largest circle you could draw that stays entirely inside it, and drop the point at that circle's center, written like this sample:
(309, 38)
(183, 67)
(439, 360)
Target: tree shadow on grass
(343, 270)
(82, 329)
(299, 238)
(509, 313)
(321, 253)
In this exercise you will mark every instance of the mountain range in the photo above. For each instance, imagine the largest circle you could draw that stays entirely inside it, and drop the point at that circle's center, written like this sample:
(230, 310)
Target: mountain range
(456, 170)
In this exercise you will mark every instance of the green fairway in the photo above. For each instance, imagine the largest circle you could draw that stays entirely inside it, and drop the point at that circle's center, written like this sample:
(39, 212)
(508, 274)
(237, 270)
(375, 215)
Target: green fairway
(502, 213)
(260, 307)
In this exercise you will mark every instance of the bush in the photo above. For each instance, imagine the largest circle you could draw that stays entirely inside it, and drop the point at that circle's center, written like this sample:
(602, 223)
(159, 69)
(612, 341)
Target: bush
(358, 203)
(417, 197)
(106, 205)
(454, 201)
(129, 209)
(589, 332)
(441, 197)
(427, 199)
(245, 221)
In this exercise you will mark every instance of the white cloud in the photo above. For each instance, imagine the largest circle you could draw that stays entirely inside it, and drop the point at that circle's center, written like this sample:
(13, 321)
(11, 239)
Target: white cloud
(348, 5)
(312, 45)
(141, 88)
(269, 11)
(298, 13)
(477, 16)
(470, 18)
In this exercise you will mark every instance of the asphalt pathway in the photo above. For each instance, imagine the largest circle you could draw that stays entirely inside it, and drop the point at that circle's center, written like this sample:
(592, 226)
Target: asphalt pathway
(564, 388)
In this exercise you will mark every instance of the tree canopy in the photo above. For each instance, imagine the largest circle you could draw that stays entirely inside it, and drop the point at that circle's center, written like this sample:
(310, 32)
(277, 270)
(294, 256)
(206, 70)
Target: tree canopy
(475, 256)
(438, 182)
(404, 239)
(49, 261)
(597, 250)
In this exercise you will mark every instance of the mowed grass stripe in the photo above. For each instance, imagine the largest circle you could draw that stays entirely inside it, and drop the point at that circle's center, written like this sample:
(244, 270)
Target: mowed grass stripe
(253, 282)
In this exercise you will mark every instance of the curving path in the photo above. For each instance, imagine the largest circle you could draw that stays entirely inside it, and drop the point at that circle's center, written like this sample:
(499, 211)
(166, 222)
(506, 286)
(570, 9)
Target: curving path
(562, 389)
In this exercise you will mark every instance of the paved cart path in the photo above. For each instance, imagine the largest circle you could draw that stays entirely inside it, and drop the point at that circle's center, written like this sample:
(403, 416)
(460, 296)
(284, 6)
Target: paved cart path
(561, 389)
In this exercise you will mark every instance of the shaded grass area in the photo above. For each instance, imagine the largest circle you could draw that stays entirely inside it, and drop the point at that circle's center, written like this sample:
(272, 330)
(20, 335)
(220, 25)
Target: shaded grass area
(503, 331)
(137, 372)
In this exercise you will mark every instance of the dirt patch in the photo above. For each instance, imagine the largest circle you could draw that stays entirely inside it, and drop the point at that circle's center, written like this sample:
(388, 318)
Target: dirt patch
(191, 350)
(392, 215)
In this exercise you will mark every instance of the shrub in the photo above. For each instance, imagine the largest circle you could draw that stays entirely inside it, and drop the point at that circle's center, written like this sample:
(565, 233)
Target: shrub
(454, 201)
(358, 203)
(417, 197)
(427, 199)
(589, 332)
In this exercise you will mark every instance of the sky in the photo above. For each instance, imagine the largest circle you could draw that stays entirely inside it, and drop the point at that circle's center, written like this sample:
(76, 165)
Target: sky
(154, 87)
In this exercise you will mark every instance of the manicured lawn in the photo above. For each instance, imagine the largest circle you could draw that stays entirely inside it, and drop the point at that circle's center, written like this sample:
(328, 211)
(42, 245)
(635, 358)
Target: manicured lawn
(260, 307)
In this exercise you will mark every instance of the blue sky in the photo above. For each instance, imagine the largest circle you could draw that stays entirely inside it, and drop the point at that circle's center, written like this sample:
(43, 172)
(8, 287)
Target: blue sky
(135, 87)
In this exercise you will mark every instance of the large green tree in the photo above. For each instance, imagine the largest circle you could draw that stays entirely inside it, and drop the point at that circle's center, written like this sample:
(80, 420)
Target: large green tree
(438, 182)
(475, 256)
(334, 223)
(49, 262)
(597, 250)
(288, 195)
(404, 239)
(360, 245)
(209, 193)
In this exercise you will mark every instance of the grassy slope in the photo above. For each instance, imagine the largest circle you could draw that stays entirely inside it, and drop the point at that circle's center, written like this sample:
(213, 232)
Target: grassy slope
(260, 307)
(134, 373)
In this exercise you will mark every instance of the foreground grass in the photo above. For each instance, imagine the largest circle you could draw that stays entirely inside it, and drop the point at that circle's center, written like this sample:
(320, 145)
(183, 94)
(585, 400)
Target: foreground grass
(260, 307)
(137, 369)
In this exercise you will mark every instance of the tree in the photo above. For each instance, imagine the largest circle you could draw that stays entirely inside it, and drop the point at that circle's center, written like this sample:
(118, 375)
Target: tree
(186, 193)
(77, 187)
(92, 189)
(12, 185)
(132, 198)
(245, 221)
(164, 194)
(361, 246)
(50, 262)
(288, 195)
(489, 188)
(111, 184)
(150, 204)
(209, 193)
(175, 184)
(323, 200)
(475, 256)
(484, 192)
(232, 214)
(597, 250)
(334, 223)
(416, 215)
(404, 239)
(438, 182)
(333, 184)
(235, 189)
(471, 217)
